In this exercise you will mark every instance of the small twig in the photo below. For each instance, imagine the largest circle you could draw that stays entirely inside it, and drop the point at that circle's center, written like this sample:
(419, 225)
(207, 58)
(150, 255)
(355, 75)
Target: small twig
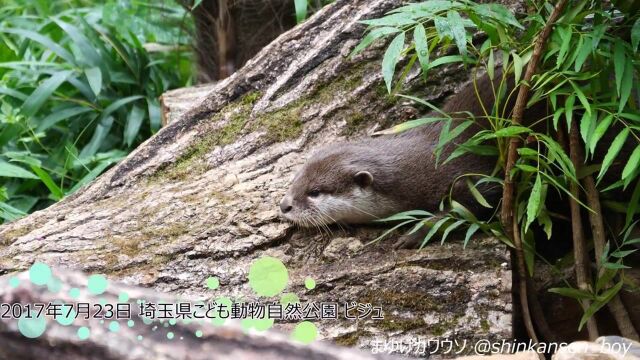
(579, 245)
(615, 305)
(507, 211)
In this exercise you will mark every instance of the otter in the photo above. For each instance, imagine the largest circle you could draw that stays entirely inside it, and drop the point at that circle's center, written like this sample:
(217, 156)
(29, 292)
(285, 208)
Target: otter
(372, 178)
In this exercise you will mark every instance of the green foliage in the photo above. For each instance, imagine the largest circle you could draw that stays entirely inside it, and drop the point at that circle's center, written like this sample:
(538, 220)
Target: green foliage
(588, 74)
(79, 87)
(305, 7)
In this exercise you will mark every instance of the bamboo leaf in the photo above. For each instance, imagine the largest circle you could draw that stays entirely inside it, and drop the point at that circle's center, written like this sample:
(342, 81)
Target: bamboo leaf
(94, 77)
(470, 231)
(533, 205)
(301, 10)
(456, 25)
(627, 84)
(14, 171)
(599, 303)
(635, 35)
(391, 58)
(38, 97)
(477, 195)
(134, 121)
(422, 46)
(56, 192)
(599, 132)
(613, 151)
(619, 59)
(371, 37)
(632, 164)
(517, 67)
(572, 293)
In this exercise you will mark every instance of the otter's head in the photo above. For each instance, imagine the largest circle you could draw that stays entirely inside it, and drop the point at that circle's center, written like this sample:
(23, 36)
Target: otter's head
(336, 185)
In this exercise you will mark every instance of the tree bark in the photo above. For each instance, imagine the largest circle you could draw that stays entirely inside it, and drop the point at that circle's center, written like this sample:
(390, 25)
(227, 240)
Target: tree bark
(200, 198)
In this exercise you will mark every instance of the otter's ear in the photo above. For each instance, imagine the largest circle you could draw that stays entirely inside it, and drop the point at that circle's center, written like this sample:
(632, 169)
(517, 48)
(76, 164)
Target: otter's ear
(363, 178)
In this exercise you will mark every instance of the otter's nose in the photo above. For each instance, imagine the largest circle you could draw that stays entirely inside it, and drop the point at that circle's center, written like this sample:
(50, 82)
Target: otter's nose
(285, 205)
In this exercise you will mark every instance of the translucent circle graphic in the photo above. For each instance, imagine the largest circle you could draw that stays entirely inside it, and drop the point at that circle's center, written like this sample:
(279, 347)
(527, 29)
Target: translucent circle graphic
(39, 273)
(32, 326)
(305, 332)
(268, 276)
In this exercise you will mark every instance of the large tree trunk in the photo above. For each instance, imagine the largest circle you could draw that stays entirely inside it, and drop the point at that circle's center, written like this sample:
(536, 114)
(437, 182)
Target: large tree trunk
(200, 198)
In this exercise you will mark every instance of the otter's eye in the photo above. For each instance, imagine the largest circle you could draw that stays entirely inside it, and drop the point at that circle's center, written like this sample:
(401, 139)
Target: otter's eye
(313, 193)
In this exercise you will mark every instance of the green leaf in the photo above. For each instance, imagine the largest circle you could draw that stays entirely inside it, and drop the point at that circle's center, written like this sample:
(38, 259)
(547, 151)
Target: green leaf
(450, 228)
(134, 121)
(43, 40)
(491, 65)
(613, 151)
(599, 132)
(627, 84)
(581, 97)
(60, 115)
(457, 30)
(434, 229)
(568, 109)
(605, 278)
(301, 10)
(12, 92)
(99, 134)
(535, 199)
(88, 50)
(94, 77)
(619, 59)
(118, 104)
(99, 169)
(635, 35)
(470, 231)
(384, 234)
(477, 195)
(408, 125)
(565, 35)
(371, 37)
(633, 205)
(632, 164)
(445, 60)
(10, 213)
(56, 193)
(547, 225)
(587, 126)
(155, 117)
(397, 19)
(406, 215)
(583, 54)
(40, 95)
(391, 58)
(422, 46)
(510, 131)
(599, 303)
(14, 171)
(518, 65)
(498, 12)
(572, 293)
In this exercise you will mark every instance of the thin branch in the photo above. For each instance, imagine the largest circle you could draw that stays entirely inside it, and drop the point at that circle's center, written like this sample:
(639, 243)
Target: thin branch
(580, 252)
(615, 305)
(507, 211)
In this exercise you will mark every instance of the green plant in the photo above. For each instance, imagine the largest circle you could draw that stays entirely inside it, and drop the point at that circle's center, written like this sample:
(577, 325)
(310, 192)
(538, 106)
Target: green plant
(79, 87)
(564, 56)
(304, 7)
